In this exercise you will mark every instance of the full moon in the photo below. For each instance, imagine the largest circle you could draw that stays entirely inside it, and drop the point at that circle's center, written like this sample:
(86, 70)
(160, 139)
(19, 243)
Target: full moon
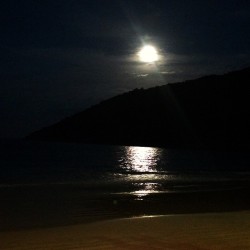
(148, 54)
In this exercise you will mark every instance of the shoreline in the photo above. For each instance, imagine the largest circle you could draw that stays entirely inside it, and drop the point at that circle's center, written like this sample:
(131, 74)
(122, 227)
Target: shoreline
(47, 208)
(186, 231)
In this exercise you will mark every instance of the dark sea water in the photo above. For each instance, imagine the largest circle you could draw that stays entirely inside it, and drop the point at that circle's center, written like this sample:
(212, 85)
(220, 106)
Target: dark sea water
(47, 184)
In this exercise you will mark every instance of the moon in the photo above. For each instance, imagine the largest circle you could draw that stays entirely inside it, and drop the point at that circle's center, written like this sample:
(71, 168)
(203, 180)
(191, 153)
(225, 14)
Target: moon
(148, 54)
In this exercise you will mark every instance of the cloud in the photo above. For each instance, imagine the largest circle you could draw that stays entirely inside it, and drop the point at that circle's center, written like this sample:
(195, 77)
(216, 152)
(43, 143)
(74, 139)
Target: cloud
(142, 75)
(167, 72)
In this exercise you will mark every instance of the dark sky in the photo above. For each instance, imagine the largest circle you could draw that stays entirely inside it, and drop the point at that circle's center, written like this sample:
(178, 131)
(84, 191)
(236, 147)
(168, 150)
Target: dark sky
(59, 57)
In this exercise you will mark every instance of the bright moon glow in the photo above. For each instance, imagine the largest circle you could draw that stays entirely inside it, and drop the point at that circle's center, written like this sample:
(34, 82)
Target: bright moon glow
(148, 54)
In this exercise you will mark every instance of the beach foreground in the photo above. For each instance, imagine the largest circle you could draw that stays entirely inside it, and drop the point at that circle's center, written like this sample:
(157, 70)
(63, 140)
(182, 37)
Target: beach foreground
(193, 231)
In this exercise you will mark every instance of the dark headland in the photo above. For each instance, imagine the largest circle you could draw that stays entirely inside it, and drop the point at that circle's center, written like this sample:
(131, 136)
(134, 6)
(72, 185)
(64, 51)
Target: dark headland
(209, 112)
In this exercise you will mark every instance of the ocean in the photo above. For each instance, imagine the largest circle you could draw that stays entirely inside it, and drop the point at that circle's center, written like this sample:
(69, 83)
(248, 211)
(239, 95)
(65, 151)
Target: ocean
(47, 184)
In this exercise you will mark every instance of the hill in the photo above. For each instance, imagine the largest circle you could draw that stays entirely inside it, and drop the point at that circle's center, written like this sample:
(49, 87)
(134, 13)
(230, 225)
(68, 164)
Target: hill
(209, 112)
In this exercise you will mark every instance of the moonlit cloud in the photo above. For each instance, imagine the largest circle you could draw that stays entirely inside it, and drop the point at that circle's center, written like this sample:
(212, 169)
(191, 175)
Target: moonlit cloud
(167, 72)
(142, 75)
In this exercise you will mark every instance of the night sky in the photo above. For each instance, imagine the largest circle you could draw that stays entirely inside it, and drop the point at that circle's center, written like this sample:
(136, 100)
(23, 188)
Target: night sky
(60, 57)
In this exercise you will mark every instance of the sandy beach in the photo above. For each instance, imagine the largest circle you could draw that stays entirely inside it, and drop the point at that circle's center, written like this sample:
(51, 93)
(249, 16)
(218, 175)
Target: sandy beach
(194, 231)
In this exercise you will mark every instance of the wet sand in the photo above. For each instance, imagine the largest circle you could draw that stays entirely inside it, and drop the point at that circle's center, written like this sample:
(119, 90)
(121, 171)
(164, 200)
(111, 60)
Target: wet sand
(38, 207)
(38, 218)
(191, 231)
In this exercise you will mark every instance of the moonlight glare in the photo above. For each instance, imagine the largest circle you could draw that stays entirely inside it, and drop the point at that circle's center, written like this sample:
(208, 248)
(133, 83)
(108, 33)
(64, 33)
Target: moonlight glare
(148, 54)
